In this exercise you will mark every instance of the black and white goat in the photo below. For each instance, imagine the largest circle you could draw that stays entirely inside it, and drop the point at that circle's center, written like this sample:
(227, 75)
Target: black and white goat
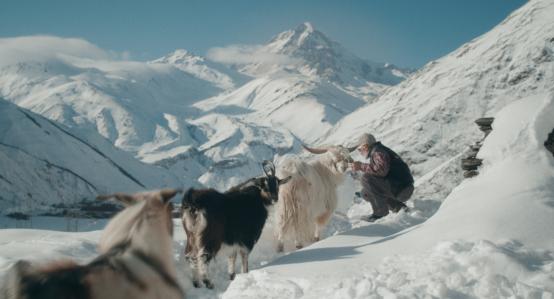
(234, 218)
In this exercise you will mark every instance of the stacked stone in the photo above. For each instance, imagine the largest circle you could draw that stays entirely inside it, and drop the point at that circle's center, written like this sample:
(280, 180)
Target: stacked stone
(549, 143)
(470, 163)
(485, 124)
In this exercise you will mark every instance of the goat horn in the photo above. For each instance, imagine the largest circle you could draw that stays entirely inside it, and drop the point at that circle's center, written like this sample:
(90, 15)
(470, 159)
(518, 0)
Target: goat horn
(316, 151)
(353, 148)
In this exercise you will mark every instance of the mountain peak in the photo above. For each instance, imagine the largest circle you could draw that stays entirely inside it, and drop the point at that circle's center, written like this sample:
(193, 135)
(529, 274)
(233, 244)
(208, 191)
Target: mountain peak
(324, 57)
(303, 36)
(181, 52)
(180, 56)
(305, 27)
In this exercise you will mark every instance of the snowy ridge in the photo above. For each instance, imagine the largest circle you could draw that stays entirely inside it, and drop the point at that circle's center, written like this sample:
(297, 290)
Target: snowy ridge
(230, 150)
(218, 74)
(428, 119)
(126, 102)
(316, 54)
(44, 164)
(276, 99)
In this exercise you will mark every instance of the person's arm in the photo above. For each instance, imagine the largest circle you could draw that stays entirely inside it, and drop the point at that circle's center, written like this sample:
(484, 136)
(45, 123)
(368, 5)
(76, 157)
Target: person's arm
(379, 165)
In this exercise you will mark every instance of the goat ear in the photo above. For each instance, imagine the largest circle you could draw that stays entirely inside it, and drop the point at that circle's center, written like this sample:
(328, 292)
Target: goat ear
(285, 180)
(126, 199)
(261, 183)
(167, 194)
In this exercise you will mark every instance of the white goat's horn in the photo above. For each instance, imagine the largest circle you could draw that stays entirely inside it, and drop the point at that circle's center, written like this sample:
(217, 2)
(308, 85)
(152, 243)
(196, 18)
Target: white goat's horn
(316, 151)
(353, 148)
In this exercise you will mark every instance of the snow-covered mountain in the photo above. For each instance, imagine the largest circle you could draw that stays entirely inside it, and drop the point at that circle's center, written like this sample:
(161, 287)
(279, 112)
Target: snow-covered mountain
(137, 106)
(45, 163)
(218, 74)
(276, 99)
(302, 70)
(429, 117)
(316, 54)
(155, 110)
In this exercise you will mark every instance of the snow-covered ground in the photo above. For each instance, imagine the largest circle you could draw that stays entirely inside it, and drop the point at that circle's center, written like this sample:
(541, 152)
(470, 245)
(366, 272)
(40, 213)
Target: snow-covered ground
(491, 238)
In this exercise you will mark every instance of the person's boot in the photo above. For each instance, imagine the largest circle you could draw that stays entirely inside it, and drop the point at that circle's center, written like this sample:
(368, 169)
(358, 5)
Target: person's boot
(371, 218)
(397, 206)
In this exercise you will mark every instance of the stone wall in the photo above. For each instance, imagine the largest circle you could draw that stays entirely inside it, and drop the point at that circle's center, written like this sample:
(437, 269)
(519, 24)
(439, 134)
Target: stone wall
(470, 162)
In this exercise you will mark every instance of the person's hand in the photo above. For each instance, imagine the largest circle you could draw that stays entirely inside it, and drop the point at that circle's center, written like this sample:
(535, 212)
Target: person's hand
(356, 166)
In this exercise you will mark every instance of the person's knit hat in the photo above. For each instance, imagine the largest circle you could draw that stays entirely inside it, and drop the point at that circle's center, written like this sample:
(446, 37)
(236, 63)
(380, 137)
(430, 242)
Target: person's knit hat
(366, 139)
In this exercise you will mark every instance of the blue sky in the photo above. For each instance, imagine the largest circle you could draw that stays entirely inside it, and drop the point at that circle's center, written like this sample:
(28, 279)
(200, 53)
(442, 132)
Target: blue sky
(404, 32)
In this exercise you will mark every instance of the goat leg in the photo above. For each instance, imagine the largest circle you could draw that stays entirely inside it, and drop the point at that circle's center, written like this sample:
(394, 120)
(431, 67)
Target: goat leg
(244, 259)
(203, 270)
(280, 246)
(231, 264)
(193, 262)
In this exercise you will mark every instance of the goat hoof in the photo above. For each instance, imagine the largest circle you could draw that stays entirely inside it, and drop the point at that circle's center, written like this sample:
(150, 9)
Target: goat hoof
(280, 248)
(196, 284)
(232, 276)
(316, 239)
(208, 284)
(299, 246)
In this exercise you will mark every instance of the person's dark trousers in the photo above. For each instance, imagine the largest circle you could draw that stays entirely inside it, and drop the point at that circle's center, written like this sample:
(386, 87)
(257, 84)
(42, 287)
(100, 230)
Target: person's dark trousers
(382, 196)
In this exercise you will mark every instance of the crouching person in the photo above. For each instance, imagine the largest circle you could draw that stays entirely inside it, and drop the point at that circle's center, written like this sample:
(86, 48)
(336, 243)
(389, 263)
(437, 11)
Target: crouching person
(387, 182)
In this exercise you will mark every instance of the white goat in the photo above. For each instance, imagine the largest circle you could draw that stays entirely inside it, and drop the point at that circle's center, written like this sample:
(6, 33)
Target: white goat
(308, 200)
(135, 261)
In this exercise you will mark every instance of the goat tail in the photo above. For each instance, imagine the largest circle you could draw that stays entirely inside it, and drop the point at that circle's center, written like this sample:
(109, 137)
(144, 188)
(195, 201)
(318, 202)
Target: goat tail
(293, 216)
(11, 288)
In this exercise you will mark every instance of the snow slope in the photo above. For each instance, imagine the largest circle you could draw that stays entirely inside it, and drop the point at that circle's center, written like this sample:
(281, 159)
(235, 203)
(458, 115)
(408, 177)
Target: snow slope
(276, 100)
(44, 163)
(230, 150)
(428, 119)
(491, 238)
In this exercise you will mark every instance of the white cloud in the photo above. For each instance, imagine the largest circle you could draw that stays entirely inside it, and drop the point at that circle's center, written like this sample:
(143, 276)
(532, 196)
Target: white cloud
(44, 48)
(244, 54)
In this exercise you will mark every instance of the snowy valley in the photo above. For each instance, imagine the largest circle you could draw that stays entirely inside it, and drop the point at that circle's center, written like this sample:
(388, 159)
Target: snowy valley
(76, 121)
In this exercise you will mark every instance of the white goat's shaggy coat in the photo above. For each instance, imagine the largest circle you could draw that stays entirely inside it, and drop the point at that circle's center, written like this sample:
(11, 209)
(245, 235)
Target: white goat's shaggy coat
(308, 201)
